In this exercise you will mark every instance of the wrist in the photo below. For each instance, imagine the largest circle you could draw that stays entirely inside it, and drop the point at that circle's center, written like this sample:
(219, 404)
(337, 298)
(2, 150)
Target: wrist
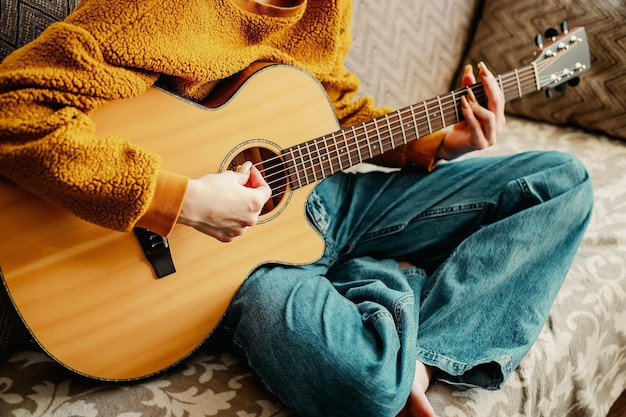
(166, 203)
(425, 151)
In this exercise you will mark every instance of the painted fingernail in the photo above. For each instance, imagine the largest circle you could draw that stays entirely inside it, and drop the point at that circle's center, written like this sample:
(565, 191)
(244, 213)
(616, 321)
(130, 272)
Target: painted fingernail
(471, 95)
(464, 102)
(483, 68)
(469, 69)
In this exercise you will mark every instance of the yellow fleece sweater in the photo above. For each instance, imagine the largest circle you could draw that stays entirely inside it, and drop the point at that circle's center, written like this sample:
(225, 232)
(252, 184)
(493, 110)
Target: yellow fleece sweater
(113, 49)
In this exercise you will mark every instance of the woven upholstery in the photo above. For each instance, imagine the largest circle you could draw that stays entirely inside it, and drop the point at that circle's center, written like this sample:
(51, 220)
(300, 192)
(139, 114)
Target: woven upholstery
(23, 20)
(505, 39)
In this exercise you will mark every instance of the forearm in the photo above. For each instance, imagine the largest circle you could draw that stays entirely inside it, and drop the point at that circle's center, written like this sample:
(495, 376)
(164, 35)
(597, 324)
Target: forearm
(48, 142)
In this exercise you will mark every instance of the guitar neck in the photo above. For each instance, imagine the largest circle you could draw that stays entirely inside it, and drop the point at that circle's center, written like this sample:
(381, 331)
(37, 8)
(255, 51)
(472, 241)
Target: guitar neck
(319, 158)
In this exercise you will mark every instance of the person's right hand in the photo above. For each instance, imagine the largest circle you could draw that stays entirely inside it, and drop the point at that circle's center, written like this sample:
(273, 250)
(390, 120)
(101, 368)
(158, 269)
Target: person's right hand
(225, 205)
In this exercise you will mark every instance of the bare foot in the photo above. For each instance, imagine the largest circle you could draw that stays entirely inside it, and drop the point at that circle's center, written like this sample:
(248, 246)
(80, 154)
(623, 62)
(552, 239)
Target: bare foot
(404, 264)
(417, 404)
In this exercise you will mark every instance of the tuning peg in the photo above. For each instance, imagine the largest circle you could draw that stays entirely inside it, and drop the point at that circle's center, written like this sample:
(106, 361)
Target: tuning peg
(574, 81)
(561, 87)
(549, 92)
(539, 41)
(551, 33)
(564, 27)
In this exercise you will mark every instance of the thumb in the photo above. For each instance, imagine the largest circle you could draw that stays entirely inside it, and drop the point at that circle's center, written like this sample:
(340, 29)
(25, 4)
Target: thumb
(243, 172)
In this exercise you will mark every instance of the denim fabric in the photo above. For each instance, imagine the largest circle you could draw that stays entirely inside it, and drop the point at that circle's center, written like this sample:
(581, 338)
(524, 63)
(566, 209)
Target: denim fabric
(491, 239)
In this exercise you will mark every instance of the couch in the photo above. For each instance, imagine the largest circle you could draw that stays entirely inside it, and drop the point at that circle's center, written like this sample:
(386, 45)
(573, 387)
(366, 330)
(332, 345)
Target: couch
(406, 51)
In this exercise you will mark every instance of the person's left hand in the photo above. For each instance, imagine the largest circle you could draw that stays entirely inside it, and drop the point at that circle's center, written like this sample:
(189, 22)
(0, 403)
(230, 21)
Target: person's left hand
(482, 124)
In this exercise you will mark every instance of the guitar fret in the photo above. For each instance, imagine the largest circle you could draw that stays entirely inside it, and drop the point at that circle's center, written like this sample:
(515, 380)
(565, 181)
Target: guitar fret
(358, 150)
(401, 135)
(314, 158)
(519, 85)
(327, 154)
(456, 107)
(328, 157)
(319, 157)
(309, 167)
(430, 128)
(304, 167)
(301, 168)
(310, 164)
(405, 140)
(417, 133)
(381, 149)
(298, 171)
(337, 152)
(367, 141)
(295, 169)
(349, 149)
(390, 130)
(443, 118)
(345, 148)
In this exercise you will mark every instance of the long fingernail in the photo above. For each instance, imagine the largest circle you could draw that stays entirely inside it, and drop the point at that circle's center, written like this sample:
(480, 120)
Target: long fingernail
(464, 102)
(469, 69)
(483, 68)
(471, 95)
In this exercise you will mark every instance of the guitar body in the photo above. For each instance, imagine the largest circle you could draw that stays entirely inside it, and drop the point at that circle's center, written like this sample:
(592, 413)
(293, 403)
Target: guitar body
(89, 296)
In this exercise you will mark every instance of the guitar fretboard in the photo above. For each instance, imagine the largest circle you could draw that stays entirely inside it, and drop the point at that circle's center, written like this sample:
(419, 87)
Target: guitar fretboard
(319, 158)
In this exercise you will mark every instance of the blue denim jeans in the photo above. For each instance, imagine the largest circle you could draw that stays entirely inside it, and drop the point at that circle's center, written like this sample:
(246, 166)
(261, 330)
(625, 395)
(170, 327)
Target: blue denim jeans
(491, 239)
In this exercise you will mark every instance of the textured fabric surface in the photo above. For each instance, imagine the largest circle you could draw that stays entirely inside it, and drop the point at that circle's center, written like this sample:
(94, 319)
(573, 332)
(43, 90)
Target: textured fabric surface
(407, 51)
(578, 365)
(505, 40)
(23, 20)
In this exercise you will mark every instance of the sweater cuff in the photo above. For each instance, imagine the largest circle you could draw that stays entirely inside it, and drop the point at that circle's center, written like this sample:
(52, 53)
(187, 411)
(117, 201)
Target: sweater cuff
(167, 201)
(423, 152)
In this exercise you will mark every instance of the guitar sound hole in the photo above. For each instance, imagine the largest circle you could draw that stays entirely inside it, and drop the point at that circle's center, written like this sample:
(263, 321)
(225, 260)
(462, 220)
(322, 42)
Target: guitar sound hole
(271, 166)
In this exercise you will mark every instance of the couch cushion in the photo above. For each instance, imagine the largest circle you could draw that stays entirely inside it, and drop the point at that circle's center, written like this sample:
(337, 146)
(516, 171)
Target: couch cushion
(505, 40)
(409, 50)
(21, 21)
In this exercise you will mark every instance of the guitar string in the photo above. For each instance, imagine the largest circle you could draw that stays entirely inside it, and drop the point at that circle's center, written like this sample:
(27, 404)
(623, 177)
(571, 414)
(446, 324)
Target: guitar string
(316, 167)
(512, 77)
(447, 104)
(509, 82)
(392, 128)
(395, 125)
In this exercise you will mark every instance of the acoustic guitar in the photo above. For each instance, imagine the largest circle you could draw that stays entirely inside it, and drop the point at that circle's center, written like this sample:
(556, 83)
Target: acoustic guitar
(100, 302)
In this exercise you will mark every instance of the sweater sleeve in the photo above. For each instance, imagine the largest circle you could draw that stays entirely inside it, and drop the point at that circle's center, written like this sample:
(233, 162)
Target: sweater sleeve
(48, 142)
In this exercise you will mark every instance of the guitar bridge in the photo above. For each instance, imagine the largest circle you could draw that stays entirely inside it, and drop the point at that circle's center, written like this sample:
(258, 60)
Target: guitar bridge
(156, 248)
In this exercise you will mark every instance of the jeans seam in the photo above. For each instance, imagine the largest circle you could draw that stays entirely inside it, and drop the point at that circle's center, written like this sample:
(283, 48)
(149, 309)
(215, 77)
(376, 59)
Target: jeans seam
(456, 368)
(455, 209)
(396, 316)
(438, 212)
(400, 304)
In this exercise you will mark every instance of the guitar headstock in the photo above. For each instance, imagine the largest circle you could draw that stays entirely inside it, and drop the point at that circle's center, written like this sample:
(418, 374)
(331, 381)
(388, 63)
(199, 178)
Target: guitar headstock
(562, 60)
